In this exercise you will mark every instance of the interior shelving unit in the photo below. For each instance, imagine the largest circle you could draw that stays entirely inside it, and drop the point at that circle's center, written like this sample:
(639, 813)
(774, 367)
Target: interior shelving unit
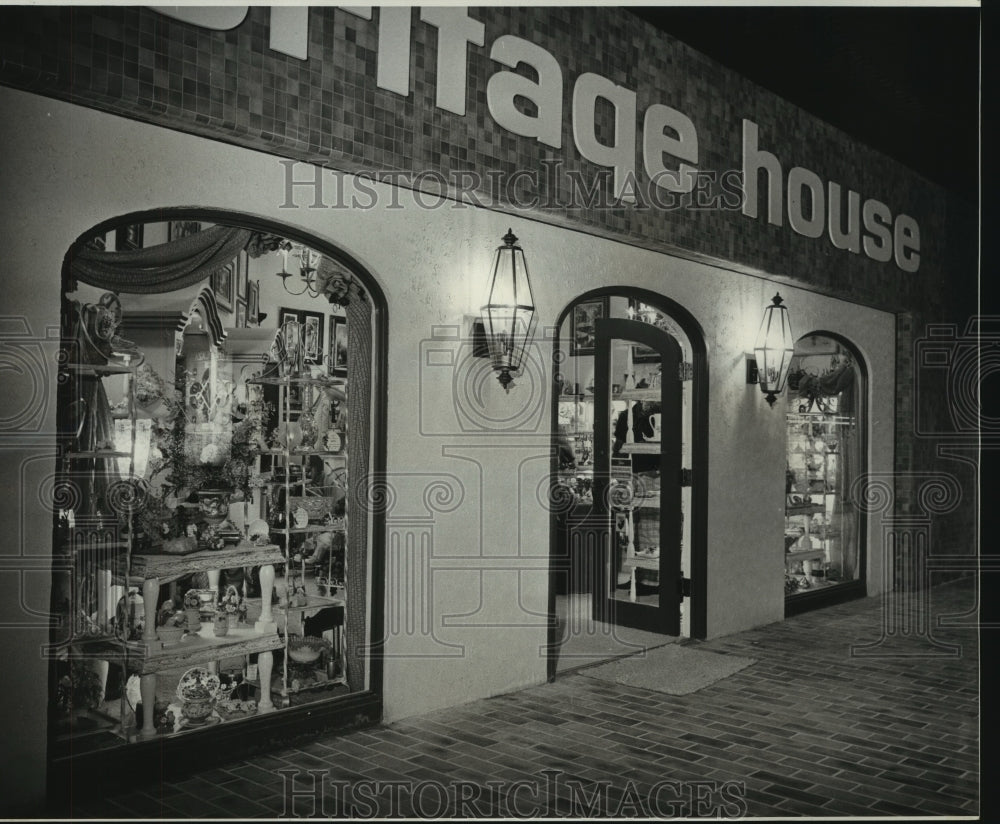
(330, 668)
(813, 550)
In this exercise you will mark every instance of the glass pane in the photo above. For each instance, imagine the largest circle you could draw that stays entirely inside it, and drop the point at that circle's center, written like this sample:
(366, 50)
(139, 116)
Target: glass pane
(825, 455)
(634, 573)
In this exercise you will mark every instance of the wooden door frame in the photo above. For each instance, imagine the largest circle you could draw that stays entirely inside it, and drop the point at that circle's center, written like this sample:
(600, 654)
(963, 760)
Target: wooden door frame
(666, 618)
(699, 457)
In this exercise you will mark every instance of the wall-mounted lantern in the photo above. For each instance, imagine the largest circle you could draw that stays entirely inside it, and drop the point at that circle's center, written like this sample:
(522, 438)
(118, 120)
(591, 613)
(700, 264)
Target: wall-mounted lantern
(773, 351)
(508, 310)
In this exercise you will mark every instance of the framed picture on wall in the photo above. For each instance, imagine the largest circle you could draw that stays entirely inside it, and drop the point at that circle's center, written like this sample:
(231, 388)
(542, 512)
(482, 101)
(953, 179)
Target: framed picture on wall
(223, 280)
(128, 237)
(312, 336)
(337, 356)
(640, 353)
(583, 325)
(241, 314)
(242, 267)
(176, 229)
(253, 302)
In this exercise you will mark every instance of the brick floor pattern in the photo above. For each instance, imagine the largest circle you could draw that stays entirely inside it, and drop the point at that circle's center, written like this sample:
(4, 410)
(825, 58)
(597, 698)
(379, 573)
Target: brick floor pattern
(807, 730)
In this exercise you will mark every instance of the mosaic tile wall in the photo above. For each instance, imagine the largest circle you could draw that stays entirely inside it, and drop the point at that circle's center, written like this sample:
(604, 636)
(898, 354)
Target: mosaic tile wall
(328, 110)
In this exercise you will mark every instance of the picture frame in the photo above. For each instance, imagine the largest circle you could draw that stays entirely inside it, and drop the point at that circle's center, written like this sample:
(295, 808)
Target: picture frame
(640, 353)
(222, 281)
(583, 323)
(206, 601)
(129, 237)
(309, 335)
(253, 303)
(289, 324)
(241, 314)
(242, 276)
(176, 229)
(337, 355)
(312, 337)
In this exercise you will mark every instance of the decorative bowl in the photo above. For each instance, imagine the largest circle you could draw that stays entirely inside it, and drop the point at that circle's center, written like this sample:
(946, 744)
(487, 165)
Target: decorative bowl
(170, 635)
(306, 650)
(198, 684)
(197, 711)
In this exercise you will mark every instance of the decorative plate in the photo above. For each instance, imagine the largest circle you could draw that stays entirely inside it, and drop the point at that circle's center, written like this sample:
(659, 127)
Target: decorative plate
(198, 682)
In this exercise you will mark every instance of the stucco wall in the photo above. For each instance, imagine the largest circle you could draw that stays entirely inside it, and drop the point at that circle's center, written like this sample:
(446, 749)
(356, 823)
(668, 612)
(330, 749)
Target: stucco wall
(472, 550)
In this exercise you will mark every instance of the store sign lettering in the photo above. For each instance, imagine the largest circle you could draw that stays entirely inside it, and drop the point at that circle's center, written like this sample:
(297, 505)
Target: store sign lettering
(669, 137)
(883, 239)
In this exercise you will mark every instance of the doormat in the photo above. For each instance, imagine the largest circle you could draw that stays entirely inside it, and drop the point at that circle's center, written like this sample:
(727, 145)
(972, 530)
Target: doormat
(672, 669)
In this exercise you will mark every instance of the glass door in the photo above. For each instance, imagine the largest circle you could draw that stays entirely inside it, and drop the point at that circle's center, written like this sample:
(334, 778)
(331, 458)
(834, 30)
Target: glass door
(638, 476)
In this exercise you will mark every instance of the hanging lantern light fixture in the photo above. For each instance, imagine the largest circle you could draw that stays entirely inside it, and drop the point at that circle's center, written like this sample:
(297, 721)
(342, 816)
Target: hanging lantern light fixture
(508, 310)
(773, 349)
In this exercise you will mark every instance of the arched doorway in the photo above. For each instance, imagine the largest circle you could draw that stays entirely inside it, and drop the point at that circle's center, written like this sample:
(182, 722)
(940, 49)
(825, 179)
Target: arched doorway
(221, 414)
(629, 473)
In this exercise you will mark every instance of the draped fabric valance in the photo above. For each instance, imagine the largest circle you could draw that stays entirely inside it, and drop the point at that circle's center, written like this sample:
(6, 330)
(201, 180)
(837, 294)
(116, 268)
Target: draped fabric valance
(162, 268)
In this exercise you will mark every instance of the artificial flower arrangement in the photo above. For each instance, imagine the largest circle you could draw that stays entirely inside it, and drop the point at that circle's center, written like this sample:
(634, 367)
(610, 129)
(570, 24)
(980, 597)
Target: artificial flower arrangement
(191, 599)
(171, 613)
(230, 603)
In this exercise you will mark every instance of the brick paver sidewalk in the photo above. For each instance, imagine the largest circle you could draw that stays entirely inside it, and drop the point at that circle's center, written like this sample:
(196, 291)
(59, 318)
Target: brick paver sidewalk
(807, 730)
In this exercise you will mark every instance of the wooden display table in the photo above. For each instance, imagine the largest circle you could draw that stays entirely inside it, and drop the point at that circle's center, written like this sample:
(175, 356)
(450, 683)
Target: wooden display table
(151, 656)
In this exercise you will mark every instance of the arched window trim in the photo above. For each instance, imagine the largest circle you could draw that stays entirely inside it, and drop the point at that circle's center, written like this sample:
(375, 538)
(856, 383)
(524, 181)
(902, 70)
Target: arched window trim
(368, 702)
(857, 588)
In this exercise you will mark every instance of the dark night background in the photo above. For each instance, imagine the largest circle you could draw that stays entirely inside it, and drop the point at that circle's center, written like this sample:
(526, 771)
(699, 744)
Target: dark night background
(904, 80)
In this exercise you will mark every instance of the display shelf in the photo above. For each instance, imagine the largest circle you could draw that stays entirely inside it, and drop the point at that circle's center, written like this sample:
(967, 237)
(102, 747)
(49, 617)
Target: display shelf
(313, 528)
(305, 453)
(290, 380)
(151, 657)
(640, 562)
(87, 543)
(73, 454)
(806, 555)
(814, 474)
(646, 394)
(804, 509)
(287, 616)
(98, 369)
(641, 448)
(151, 565)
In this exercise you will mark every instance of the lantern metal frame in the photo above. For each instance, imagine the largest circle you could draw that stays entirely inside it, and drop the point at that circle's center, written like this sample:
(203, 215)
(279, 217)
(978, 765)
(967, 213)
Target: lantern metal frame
(508, 310)
(773, 350)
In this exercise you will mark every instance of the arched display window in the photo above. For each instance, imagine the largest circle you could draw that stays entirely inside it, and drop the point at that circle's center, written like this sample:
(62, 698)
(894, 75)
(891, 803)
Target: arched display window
(219, 419)
(826, 449)
(630, 469)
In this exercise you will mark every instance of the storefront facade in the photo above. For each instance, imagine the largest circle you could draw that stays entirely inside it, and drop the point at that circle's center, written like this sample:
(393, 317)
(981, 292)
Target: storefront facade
(408, 142)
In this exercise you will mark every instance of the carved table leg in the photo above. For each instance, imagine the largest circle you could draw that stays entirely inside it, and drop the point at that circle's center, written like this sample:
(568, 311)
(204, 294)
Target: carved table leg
(150, 592)
(147, 688)
(266, 622)
(265, 666)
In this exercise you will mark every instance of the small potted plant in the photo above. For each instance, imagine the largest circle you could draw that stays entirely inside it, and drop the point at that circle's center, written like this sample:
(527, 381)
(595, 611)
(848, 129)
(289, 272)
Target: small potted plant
(192, 610)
